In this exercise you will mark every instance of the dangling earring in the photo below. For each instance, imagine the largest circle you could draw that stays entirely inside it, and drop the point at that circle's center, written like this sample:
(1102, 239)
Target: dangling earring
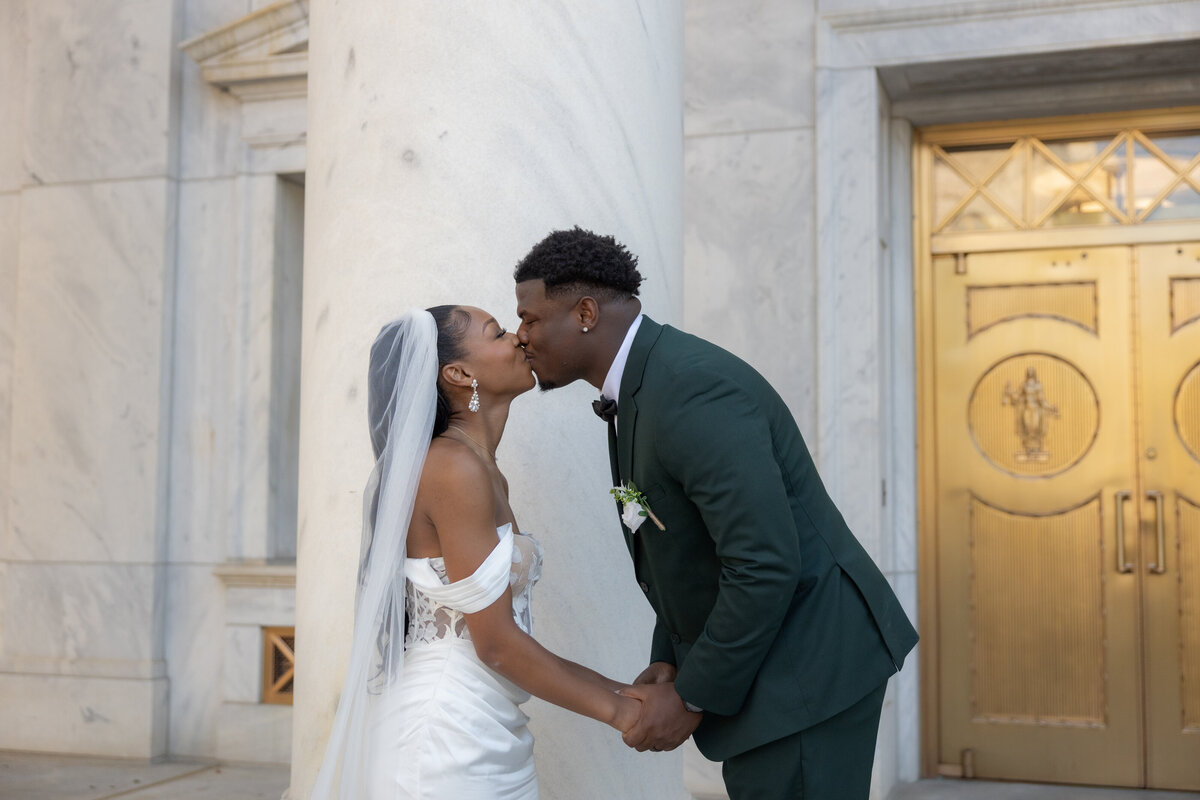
(474, 404)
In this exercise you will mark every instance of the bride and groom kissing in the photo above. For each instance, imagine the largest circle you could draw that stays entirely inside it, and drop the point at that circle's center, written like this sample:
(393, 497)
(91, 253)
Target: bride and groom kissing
(775, 632)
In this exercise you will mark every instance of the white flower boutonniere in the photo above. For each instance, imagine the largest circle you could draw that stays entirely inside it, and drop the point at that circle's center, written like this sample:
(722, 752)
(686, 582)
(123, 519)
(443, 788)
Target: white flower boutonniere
(634, 508)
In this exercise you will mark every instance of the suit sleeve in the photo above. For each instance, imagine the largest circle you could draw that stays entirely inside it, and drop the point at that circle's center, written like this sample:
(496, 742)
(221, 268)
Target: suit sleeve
(717, 443)
(661, 648)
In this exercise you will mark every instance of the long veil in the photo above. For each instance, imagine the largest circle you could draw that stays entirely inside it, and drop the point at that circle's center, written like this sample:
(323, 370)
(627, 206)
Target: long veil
(402, 397)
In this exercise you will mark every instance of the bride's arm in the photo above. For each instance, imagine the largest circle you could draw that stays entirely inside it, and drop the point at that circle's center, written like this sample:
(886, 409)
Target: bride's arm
(517, 656)
(456, 490)
(591, 675)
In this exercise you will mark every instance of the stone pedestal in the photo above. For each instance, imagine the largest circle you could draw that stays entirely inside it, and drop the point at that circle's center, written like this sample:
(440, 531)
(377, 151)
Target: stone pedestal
(445, 140)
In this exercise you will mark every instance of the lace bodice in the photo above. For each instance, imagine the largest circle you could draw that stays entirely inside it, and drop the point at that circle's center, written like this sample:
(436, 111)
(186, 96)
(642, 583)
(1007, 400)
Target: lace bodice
(436, 607)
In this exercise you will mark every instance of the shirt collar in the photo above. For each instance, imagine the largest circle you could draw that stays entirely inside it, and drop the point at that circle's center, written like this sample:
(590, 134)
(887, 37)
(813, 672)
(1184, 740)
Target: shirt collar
(612, 381)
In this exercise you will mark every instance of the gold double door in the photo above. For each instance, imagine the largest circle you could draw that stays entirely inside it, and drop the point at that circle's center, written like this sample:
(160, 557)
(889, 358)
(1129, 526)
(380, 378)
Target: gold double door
(1067, 390)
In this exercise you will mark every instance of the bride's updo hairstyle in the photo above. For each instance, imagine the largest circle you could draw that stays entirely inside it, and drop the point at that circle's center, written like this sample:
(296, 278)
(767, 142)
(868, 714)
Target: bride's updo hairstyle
(452, 324)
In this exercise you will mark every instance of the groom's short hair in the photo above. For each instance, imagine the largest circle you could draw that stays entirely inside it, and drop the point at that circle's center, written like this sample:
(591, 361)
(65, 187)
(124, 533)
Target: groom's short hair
(579, 260)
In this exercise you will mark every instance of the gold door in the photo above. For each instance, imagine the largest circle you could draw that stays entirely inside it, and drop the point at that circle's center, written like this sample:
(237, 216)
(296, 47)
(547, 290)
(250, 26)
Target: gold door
(1058, 295)
(1168, 292)
(1038, 624)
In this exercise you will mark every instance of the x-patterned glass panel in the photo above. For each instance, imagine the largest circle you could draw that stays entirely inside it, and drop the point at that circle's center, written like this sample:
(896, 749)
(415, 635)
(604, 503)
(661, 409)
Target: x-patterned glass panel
(949, 191)
(1165, 189)
(1151, 177)
(1080, 208)
(978, 162)
(1008, 185)
(1127, 178)
(1180, 149)
(1047, 183)
(1096, 187)
(982, 167)
(1078, 155)
(980, 215)
(1183, 202)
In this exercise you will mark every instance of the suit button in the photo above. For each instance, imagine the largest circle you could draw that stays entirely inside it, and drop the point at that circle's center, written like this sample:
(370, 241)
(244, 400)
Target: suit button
(645, 587)
(675, 638)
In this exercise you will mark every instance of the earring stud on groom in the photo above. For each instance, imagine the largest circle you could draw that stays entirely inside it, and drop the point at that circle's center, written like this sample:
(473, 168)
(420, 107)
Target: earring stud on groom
(775, 633)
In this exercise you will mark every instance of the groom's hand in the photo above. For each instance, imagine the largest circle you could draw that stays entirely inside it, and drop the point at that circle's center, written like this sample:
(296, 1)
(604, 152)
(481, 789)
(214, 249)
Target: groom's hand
(657, 672)
(665, 722)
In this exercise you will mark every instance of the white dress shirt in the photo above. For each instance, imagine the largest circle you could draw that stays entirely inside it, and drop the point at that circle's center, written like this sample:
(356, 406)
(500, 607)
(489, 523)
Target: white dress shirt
(612, 381)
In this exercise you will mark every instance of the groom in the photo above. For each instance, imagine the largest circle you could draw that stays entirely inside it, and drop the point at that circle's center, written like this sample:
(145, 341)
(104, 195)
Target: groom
(775, 631)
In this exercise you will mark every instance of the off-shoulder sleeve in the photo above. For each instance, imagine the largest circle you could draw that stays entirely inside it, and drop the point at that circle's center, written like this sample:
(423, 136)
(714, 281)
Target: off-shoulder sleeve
(478, 590)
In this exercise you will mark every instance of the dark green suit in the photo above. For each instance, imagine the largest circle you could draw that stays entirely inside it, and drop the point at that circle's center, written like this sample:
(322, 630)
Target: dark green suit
(774, 614)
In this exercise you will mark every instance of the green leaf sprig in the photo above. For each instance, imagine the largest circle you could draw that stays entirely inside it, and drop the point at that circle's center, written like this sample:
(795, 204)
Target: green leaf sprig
(628, 493)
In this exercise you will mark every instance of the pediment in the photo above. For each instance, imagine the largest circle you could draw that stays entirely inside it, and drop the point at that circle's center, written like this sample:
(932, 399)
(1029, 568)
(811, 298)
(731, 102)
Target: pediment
(263, 54)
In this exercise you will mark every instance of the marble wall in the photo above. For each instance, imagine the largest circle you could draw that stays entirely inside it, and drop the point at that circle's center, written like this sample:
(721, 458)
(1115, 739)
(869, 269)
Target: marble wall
(234, 460)
(12, 71)
(748, 196)
(85, 332)
(138, 255)
(12, 99)
(749, 215)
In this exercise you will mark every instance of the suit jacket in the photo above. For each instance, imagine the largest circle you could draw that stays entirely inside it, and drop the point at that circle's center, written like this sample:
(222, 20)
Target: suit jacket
(766, 602)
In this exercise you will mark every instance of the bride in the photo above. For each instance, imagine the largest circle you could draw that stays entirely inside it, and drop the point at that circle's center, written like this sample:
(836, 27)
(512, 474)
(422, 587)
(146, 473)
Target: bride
(442, 655)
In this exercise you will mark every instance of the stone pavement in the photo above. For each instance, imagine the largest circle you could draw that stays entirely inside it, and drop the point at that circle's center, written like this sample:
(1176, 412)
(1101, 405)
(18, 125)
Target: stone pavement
(995, 790)
(26, 776)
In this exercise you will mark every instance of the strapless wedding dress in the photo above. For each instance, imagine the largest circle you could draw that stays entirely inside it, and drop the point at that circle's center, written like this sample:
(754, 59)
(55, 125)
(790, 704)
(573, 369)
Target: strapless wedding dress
(454, 729)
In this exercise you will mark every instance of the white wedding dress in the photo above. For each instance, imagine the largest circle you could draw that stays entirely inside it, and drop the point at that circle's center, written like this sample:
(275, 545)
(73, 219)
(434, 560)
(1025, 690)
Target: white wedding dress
(454, 729)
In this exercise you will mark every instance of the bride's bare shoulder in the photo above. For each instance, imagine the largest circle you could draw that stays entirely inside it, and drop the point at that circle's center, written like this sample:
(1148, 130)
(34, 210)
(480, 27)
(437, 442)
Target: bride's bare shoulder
(451, 465)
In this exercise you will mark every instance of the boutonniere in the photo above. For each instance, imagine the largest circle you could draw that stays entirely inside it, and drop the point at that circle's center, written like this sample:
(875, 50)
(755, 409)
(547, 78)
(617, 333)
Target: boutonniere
(634, 508)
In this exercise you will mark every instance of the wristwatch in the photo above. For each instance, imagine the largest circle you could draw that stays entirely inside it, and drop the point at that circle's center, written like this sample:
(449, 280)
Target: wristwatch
(692, 707)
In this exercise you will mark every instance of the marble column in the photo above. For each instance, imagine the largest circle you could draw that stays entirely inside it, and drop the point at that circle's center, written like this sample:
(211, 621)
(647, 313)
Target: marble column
(444, 140)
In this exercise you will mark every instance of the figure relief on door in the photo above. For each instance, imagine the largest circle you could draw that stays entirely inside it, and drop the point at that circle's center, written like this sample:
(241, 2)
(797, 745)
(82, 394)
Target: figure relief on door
(1034, 415)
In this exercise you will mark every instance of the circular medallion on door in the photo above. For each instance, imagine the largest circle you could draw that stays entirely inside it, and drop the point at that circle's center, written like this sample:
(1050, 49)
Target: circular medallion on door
(1033, 415)
(1187, 411)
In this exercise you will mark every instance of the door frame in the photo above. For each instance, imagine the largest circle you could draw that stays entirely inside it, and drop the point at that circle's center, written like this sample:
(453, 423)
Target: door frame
(924, 249)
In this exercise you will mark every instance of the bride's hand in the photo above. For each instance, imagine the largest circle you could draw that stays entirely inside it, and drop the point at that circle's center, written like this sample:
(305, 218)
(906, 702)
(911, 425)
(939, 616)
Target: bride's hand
(628, 711)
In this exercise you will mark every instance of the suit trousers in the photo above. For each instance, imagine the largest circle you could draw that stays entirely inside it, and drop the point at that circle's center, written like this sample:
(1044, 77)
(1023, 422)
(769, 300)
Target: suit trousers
(830, 761)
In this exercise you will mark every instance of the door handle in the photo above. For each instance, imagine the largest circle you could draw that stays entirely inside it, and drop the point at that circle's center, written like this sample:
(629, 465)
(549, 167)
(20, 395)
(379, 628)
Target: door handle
(1160, 563)
(1122, 564)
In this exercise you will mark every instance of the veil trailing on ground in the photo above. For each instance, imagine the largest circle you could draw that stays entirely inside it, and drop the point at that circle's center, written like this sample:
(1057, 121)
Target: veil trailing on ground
(402, 397)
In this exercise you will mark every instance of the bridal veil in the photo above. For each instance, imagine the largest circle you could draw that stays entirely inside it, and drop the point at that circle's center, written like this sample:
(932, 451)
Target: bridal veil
(402, 397)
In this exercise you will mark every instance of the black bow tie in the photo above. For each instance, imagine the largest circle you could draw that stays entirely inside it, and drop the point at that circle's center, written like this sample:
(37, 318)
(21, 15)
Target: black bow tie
(605, 408)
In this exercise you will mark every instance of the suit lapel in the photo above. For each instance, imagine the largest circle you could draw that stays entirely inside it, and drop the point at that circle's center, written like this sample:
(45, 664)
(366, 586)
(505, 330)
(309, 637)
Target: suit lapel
(631, 382)
(612, 455)
(620, 444)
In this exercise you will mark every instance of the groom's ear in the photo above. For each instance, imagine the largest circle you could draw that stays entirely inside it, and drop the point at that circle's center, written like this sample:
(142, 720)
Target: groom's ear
(586, 312)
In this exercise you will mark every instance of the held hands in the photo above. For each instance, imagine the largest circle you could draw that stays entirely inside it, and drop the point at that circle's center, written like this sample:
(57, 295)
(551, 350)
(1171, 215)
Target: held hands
(627, 712)
(657, 672)
(665, 723)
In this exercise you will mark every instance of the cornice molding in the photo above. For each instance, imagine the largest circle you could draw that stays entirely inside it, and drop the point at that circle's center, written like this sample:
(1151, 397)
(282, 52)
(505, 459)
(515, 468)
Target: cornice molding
(252, 28)
(262, 55)
(256, 574)
(971, 11)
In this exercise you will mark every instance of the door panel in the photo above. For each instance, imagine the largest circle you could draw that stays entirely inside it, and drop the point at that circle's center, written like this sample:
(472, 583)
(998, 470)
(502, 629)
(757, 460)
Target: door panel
(1168, 292)
(1038, 622)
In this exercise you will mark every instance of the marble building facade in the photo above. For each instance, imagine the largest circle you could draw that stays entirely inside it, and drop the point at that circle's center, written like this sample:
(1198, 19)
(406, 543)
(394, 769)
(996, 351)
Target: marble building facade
(207, 207)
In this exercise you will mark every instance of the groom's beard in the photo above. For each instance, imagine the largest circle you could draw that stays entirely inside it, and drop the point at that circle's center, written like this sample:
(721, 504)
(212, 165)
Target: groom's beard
(545, 385)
